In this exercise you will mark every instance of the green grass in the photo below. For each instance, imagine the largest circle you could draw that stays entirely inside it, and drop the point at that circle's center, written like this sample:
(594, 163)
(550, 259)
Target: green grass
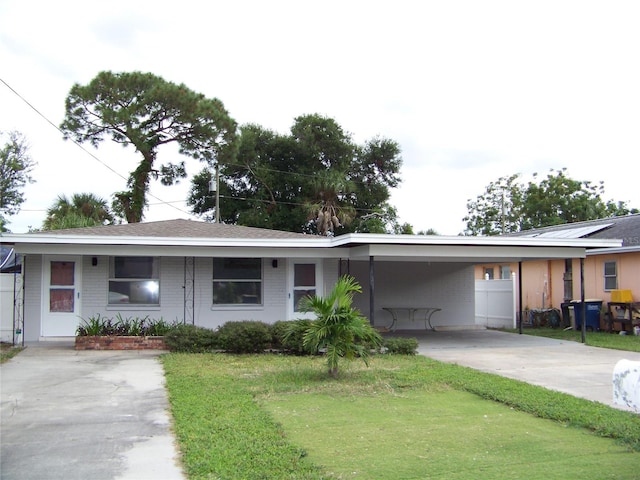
(593, 339)
(279, 417)
(8, 351)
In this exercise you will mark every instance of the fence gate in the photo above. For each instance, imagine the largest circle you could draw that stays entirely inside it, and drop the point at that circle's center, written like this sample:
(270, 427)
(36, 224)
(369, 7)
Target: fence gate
(496, 303)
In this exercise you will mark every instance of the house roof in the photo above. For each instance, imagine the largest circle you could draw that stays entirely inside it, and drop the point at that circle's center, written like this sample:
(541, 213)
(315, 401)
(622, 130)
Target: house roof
(178, 228)
(186, 238)
(625, 228)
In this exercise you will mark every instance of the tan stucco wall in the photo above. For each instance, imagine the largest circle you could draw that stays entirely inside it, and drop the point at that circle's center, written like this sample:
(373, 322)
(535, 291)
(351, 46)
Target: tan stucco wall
(546, 277)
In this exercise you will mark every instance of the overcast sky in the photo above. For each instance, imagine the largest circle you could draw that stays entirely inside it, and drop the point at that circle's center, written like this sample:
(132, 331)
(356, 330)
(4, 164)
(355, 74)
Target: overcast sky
(471, 90)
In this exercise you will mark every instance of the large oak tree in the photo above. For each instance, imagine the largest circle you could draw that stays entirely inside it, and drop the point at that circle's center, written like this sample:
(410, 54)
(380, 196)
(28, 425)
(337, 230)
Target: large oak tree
(315, 179)
(145, 111)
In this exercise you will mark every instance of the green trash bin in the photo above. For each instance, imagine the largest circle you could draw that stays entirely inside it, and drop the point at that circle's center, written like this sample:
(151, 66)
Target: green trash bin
(592, 313)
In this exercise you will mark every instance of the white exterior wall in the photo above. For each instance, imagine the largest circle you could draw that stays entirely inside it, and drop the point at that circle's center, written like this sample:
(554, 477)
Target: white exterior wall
(32, 265)
(171, 309)
(449, 286)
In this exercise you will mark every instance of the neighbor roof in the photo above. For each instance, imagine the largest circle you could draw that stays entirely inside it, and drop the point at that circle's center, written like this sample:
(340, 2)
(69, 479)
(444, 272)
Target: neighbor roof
(625, 228)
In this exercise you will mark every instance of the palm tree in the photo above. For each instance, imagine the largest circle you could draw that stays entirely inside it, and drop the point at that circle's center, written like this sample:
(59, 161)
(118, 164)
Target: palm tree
(81, 210)
(339, 327)
(328, 210)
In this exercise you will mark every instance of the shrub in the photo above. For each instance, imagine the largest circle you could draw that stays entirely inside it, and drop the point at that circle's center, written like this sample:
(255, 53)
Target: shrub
(247, 336)
(401, 346)
(191, 339)
(289, 336)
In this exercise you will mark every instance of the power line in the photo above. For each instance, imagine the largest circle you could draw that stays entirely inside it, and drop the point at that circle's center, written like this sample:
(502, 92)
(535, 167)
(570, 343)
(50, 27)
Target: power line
(79, 145)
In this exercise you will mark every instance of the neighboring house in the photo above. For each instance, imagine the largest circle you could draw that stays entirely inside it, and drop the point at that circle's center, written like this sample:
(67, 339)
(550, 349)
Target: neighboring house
(551, 282)
(208, 273)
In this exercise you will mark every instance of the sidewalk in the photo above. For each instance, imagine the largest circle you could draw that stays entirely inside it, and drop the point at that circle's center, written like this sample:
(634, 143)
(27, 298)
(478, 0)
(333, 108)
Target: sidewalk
(85, 415)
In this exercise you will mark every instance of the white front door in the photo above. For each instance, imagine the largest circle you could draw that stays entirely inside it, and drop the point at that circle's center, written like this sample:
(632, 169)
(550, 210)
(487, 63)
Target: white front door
(61, 296)
(305, 279)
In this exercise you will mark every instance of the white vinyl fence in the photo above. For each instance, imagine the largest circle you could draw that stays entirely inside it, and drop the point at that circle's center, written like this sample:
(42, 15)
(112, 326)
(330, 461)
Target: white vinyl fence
(496, 303)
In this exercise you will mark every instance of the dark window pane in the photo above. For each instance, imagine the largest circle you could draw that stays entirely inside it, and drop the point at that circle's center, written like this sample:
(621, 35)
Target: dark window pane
(299, 295)
(237, 268)
(135, 292)
(304, 275)
(133, 267)
(61, 299)
(237, 293)
(610, 268)
(62, 273)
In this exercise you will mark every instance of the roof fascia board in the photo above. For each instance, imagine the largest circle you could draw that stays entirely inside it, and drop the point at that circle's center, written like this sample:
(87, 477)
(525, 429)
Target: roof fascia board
(385, 239)
(165, 241)
(180, 251)
(609, 251)
(466, 252)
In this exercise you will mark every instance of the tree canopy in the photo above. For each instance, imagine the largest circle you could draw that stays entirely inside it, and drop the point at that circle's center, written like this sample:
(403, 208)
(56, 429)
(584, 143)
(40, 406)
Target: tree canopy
(15, 172)
(315, 179)
(81, 210)
(146, 112)
(508, 205)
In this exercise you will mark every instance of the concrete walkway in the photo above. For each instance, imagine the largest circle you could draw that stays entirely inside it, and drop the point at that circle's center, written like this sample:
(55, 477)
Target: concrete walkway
(85, 415)
(564, 366)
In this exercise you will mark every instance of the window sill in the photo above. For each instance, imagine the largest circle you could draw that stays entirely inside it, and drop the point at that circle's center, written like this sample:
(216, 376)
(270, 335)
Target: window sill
(241, 306)
(132, 307)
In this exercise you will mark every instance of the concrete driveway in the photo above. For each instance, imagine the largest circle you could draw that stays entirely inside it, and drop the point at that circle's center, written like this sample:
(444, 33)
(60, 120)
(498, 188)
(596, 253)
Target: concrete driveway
(564, 366)
(85, 415)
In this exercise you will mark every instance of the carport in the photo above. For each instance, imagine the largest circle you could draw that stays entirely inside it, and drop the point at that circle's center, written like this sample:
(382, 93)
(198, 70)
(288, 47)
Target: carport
(393, 269)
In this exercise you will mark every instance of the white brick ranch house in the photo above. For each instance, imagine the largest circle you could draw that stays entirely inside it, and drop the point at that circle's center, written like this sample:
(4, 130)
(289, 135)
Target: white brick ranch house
(208, 273)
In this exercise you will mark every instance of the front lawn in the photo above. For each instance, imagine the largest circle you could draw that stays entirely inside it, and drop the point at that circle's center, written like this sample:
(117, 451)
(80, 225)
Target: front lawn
(404, 417)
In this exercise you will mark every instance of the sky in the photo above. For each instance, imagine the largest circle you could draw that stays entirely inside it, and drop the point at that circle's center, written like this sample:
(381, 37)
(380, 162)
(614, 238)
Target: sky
(471, 90)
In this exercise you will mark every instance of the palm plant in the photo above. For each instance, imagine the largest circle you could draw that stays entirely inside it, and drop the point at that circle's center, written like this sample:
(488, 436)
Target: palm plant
(81, 210)
(339, 328)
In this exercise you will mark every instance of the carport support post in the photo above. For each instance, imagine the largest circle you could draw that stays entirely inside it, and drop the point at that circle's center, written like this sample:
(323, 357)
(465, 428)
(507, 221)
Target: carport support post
(520, 297)
(372, 289)
(583, 306)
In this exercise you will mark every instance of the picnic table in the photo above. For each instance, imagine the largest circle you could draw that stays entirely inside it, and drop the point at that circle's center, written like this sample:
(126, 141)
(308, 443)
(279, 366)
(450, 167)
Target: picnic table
(411, 315)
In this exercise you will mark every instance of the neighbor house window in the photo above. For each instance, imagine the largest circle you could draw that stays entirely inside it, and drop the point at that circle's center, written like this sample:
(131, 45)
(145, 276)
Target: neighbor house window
(134, 280)
(610, 276)
(237, 281)
(505, 272)
(488, 273)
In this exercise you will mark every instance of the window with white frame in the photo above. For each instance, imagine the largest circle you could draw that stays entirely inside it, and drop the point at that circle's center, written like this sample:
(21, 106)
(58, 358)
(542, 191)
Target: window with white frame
(505, 272)
(237, 281)
(134, 281)
(610, 276)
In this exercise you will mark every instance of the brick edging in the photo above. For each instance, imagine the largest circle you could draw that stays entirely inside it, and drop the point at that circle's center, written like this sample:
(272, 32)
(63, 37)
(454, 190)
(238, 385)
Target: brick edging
(117, 342)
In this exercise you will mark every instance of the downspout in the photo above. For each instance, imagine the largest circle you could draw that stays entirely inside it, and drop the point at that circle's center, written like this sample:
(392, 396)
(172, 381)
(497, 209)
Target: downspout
(371, 291)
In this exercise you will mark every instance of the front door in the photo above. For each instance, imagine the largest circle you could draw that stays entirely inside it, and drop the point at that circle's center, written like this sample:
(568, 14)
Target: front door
(61, 296)
(305, 279)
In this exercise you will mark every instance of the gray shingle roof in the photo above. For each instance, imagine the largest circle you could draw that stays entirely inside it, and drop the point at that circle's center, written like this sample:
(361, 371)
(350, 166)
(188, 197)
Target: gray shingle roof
(181, 229)
(626, 228)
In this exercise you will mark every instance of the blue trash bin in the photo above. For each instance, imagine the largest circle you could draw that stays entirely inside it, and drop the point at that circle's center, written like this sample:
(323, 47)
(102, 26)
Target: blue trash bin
(592, 308)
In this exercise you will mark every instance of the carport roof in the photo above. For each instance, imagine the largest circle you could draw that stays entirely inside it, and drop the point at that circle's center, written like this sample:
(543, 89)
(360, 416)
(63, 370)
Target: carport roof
(192, 238)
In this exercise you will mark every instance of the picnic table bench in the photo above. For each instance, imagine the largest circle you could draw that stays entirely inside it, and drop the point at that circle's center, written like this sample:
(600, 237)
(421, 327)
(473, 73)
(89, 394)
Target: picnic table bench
(411, 315)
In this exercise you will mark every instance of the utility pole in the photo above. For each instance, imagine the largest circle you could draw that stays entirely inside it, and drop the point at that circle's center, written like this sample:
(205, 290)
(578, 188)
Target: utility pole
(214, 187)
